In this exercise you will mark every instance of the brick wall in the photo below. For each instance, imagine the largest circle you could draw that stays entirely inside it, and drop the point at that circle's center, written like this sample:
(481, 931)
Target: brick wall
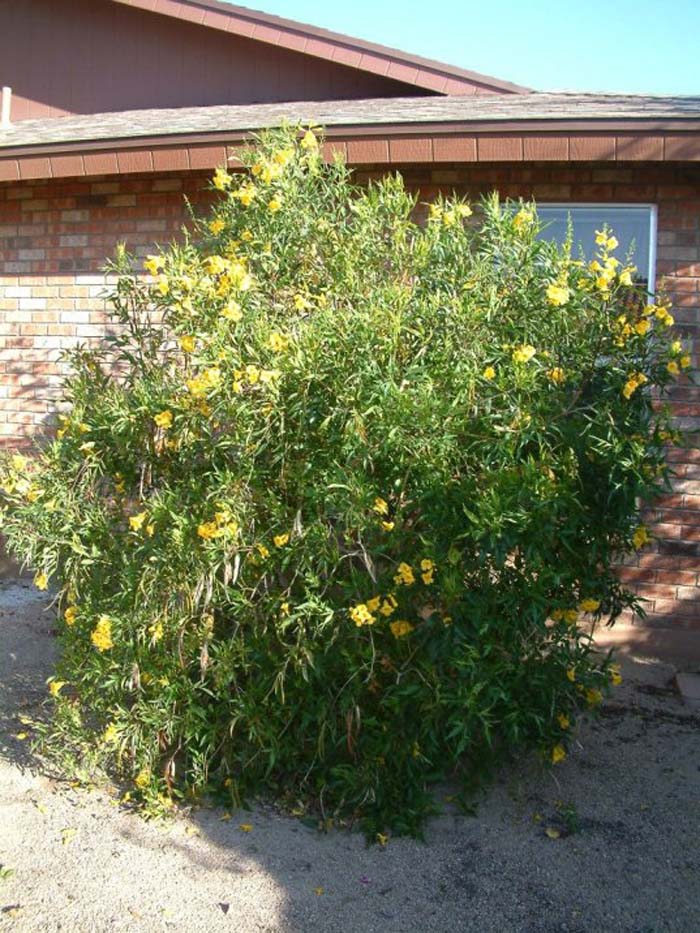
(54, 239)
(55, 235)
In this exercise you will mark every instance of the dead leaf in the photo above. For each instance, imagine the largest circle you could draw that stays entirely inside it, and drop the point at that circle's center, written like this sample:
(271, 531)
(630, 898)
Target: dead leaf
(67, 835)
(225, 817)
(225, 907)
(552, 832)
(318, 891)
(246, 827)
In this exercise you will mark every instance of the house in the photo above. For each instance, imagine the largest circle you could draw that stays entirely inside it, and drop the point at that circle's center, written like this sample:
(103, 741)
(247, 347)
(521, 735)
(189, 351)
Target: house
(118, 108)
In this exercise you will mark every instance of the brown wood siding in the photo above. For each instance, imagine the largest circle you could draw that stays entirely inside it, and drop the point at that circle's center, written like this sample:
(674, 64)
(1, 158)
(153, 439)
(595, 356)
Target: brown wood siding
(87, 56)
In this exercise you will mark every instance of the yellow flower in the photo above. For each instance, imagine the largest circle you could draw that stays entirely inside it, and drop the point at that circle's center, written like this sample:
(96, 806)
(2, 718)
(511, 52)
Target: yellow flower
(361, 615)
(615, 675)
(673, 368)
(163, 284)
(201, 384)
(309, 141)
(110, 734)
(387, 526)
(246, 827)
(270, 172)
(640, 537)
(208, 530)
(634, 381)
(380, 506)
(401, 628)
(221, 179)
(558, 295)
(589, 605)
(154, 264)
(556, 375)
(136, 521)
(593, 697)
(232, 312)
(389, 605)
(607, 242)
(382, 839)
(523, 218)
(642, 327)
(524, 353)
(101, 636)
(156, 631)
(70, 615)
(164, 419)
(188, 343)
(262, 551)
(216, 265)
(570, 616)
(143, 778)
(246, 194)
(563, 721)
(663, 315)
(274, 204)
(253, 373)
(41, 581)
(558, 754)
(404, 574)
(217, 225)
(626, 275)
(373, 603)
(281, 540)
(283, 156)
(278, 342)
(489, 373)
(55, 687)
(571, 674)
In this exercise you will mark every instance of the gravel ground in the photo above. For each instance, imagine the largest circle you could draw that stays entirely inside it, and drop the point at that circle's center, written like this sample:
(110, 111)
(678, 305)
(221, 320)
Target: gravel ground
(630, 790)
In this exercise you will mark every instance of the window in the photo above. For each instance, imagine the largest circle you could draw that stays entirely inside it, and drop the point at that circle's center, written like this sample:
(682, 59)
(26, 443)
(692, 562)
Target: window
(633, 225)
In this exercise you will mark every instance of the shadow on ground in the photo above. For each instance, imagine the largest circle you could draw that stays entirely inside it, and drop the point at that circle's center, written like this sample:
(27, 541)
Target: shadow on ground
(609, 842)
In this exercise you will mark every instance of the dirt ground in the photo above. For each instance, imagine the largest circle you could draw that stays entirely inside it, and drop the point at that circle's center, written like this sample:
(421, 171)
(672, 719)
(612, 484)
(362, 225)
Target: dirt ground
(611, 842)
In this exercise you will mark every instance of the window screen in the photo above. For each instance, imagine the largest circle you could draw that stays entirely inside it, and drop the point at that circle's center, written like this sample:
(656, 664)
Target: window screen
(633, 227)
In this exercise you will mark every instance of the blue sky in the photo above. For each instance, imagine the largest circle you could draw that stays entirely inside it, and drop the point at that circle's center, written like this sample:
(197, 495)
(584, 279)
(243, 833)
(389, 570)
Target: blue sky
(639, 46)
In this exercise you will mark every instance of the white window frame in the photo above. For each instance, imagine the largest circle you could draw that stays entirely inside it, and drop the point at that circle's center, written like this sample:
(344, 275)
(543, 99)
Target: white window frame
(653, 225)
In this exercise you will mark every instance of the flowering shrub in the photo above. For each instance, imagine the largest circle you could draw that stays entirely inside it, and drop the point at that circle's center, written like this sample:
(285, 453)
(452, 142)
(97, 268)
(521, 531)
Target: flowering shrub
(326, 517)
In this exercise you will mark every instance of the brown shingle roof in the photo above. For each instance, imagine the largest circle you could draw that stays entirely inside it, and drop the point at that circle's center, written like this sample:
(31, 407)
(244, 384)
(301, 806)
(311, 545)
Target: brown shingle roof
(378, 132)
(545, 110)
